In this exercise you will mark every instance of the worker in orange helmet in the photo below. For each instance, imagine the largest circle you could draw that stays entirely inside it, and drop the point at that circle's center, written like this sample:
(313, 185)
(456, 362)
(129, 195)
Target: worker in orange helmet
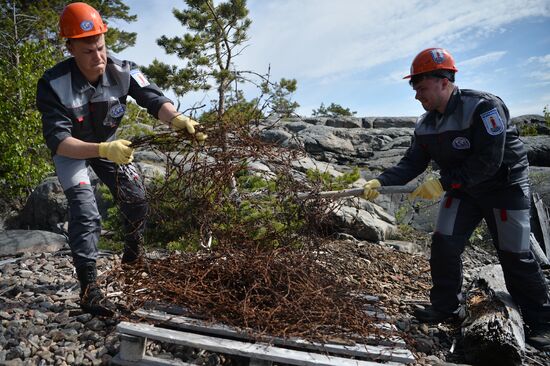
(483, 175)
(82, 101)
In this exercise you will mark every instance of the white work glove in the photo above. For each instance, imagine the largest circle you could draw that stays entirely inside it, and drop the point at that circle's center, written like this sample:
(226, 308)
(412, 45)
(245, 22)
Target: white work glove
(181, 122)
(118, 151)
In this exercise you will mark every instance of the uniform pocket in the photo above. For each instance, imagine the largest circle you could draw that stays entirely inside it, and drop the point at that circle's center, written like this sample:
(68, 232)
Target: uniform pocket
(82, 124)
(513, 230)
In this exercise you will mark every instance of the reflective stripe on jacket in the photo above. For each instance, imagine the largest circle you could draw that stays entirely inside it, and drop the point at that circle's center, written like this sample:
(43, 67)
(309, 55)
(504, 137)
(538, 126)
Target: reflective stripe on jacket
(473, 144)
(71, 106)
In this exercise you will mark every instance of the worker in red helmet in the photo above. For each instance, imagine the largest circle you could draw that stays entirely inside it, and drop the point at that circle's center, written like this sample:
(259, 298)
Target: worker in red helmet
(82, 101)
(483, 174)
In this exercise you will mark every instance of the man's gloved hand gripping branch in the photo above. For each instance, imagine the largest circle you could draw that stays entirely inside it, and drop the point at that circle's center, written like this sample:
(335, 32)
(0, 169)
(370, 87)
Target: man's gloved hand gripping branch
(118, 151)
(181, 122)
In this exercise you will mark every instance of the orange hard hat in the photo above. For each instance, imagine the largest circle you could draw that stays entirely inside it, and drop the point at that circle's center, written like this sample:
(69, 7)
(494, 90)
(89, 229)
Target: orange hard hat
(432, 59)
(79, 20)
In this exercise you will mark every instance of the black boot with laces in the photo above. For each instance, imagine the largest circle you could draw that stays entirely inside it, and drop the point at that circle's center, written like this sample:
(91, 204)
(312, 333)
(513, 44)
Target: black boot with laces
(92, 299)
(432, 315)
(132, 253)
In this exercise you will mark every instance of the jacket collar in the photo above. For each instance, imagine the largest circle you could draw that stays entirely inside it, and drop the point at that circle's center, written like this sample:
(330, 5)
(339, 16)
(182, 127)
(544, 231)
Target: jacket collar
(81, 85)
(453, 101)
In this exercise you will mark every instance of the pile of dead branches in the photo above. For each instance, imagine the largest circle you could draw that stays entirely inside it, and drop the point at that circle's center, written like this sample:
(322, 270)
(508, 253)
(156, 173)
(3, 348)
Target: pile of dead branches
(282, 292)
(255, 263)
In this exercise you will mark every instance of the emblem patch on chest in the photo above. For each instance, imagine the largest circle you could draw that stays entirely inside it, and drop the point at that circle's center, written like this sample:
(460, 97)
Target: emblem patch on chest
(461, 143)
(492, 122)
(117, 110)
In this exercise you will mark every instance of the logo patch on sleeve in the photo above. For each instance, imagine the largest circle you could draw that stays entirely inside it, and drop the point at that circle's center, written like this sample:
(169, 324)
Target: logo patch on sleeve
(139, 78)
(492, 122)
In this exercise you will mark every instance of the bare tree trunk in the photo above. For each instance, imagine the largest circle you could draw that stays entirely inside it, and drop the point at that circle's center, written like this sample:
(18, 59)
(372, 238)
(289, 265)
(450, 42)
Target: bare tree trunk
(16, 51)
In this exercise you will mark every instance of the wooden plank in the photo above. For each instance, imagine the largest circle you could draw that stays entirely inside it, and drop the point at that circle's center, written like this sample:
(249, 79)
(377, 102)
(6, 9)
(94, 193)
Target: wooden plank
(148, 361)
(543, 221)
(259, 351)
(382, 353)
(388, 351)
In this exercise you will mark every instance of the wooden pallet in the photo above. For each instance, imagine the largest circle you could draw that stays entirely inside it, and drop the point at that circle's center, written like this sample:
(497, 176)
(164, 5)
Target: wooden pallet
(222, 339)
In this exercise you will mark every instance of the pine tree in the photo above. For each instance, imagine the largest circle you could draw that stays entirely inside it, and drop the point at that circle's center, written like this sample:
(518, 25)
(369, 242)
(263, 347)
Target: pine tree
(217, 34)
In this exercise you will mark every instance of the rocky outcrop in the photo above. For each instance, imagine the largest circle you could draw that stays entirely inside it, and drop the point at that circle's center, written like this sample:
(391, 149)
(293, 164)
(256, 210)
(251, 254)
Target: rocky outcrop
(333, 145)
(376, 142)
(538, 149)
(15, 242)
(537, 121)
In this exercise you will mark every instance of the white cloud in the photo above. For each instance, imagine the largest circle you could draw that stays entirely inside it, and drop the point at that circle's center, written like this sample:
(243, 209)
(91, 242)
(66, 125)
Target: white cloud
(346, 50)
(540, 68)
(318, 38)
(481, 60)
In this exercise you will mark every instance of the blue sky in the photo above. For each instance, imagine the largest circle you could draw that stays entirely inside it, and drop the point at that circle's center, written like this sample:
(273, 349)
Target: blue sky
(355, 52)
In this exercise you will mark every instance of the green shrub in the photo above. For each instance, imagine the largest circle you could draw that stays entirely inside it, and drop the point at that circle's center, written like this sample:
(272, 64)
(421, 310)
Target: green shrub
(528, 130)
(329, 183)
(25, 158)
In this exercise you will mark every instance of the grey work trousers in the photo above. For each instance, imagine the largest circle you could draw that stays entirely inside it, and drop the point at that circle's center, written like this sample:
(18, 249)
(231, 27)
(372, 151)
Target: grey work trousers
(84, 220)
(506, 213)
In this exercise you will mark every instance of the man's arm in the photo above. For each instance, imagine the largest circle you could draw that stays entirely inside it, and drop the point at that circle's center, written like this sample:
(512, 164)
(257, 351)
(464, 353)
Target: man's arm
(167, 111)
(77, 149)
(409, 167)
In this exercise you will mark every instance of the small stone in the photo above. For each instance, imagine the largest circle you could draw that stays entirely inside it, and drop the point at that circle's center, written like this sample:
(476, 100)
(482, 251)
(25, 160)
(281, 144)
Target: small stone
(423, 345)
(70, 358)
(84, 318)
(95, 324)
(25, 273)
(403, 325)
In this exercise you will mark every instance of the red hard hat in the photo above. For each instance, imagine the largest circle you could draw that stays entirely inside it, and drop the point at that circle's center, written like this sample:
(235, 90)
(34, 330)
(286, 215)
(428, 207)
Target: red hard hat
(432, 59)
(80, 20)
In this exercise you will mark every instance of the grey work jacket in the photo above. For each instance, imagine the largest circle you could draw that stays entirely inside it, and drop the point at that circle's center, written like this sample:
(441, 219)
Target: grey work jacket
(473, 144)
(71, 106)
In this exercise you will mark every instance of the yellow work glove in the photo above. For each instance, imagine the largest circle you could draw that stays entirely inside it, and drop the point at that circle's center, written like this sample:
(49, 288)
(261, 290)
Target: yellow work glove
(431, 189)
(181, 122)
(370, 190)
(117, 151)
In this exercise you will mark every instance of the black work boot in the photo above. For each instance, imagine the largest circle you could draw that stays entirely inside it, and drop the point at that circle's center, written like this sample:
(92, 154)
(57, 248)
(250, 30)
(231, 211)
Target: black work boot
(132, 253)
(92, 299)
(431, 315)
(539, 337)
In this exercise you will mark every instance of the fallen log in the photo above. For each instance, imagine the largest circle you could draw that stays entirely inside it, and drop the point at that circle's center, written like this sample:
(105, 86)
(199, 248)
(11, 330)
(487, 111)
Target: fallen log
(540, 256)
(493, 329)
